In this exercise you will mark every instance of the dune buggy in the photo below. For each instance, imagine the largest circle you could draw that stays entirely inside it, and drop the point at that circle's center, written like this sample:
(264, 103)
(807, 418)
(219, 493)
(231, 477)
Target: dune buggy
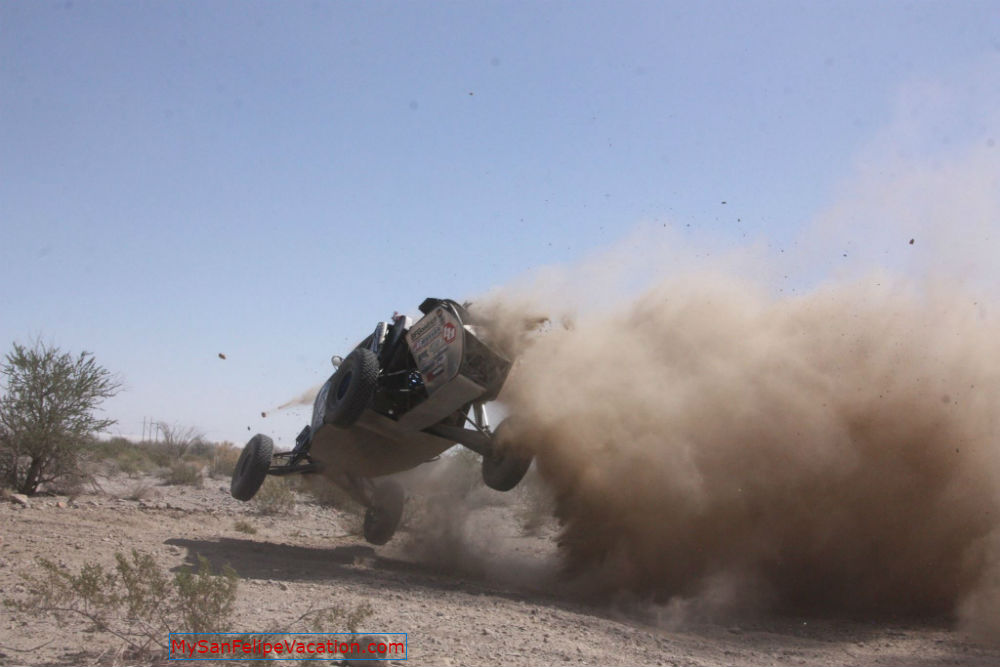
(404, 395)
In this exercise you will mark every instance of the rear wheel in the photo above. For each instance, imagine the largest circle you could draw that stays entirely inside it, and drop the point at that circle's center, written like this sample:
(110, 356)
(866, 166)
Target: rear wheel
(251, 468)
(508, 464)
(351, 388)
(382, 518)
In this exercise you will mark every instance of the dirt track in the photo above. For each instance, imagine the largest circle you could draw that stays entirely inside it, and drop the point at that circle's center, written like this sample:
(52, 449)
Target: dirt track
(478, 615)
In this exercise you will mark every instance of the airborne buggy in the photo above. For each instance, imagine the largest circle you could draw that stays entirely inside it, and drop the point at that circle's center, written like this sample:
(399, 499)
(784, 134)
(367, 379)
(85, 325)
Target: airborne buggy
(404, 395)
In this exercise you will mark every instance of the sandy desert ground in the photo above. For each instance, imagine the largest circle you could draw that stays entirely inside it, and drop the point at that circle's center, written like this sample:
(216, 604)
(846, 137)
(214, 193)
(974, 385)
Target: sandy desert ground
(479, 591)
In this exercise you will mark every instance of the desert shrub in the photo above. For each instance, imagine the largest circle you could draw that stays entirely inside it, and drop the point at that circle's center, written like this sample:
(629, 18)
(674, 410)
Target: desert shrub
(183, 473)
(161, 456)
(136, 601)
(134, 462)
(141, 491)
(245, 527)
(72, 485)
(123, 455)
(224, 459)
(48, 413)
(180, 441)
(274, 497)
(205, 601)
(201, 449)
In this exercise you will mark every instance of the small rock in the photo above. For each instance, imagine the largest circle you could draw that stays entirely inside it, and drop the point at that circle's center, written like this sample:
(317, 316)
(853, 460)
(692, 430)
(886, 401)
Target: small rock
(61, 505)
(283, 586)
(20, 499)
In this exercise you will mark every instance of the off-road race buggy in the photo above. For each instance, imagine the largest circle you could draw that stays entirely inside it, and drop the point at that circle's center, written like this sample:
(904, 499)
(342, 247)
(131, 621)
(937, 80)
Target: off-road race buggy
(403, 396)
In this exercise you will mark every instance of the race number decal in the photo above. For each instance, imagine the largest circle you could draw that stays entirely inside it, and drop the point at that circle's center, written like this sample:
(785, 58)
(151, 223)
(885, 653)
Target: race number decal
(450, 332)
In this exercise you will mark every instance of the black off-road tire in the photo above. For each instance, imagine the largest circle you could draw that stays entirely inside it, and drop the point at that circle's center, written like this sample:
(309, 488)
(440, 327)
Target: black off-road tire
(351, 388)
(507, 466)
(382, 518)
(251, 468)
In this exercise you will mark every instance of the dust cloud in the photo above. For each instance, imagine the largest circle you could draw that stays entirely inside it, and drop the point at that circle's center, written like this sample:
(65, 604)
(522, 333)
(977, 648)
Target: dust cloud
(451, 522)
(835, 450)
(816, 430)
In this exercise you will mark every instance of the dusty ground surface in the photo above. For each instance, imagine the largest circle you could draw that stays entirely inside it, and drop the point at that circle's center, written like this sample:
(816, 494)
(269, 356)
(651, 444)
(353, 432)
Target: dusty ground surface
(497, 606)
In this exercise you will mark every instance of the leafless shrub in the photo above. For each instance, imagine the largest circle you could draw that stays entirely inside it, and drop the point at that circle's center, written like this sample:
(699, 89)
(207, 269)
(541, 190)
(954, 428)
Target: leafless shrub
(179, 441)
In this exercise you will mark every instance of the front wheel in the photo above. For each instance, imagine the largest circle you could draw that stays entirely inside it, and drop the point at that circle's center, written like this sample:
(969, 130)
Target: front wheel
(251, 468)
(382, 518)
(508, 464)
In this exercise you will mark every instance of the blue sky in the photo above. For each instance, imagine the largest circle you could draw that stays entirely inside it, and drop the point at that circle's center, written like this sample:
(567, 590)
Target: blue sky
(268, 179)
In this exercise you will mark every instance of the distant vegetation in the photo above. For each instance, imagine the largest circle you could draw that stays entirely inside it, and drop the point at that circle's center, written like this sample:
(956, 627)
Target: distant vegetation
(48, 429)
(175, 461)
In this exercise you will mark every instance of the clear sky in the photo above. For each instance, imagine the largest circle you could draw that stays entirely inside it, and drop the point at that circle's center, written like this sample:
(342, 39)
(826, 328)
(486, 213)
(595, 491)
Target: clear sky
(269, 179)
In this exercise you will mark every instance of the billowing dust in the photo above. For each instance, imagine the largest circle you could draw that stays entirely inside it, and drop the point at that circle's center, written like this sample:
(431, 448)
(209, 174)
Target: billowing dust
(834, 451)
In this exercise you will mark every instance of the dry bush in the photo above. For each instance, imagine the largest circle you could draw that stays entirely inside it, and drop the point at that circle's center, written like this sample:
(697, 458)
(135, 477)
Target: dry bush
(72, 485)
(182, 473)
(135, 602)
(123, 455)
(141, 491)
(224, 459)
(274, 497)
(179, 441)
(245, 527)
